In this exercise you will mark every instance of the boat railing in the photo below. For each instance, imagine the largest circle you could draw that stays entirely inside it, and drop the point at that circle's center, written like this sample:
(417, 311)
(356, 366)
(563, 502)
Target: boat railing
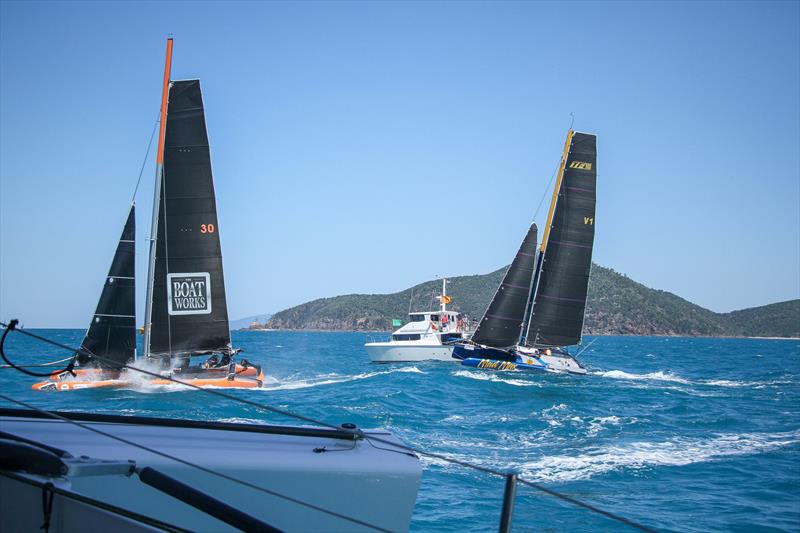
(512, 479)
(379, 338)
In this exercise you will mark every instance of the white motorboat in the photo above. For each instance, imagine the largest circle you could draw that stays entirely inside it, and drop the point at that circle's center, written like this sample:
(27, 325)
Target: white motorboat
(428, 335)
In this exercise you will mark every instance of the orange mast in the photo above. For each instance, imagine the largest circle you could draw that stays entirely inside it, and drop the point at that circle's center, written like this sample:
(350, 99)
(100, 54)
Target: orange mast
(148, 313)
(164, 94)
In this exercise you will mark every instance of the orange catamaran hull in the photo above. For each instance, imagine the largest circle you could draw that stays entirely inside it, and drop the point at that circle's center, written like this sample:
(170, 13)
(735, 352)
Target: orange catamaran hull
(90, 378)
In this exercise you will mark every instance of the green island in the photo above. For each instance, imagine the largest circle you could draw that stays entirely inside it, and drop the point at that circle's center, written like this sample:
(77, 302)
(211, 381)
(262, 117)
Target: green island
(617, 305)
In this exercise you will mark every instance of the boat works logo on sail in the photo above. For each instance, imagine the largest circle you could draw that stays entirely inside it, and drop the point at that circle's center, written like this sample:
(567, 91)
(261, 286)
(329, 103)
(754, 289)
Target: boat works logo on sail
(189, 294)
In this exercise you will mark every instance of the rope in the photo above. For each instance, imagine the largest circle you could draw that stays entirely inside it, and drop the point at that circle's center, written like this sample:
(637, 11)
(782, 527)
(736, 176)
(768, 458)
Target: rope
(357, 434)
(51, 363)
(11, 326)
(146, 155)
(544, 192)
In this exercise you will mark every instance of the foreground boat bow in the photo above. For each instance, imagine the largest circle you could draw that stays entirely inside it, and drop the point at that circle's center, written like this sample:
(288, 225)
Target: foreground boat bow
(372, 484)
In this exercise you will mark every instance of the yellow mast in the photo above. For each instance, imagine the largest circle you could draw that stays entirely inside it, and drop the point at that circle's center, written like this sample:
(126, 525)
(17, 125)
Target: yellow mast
(555, 191)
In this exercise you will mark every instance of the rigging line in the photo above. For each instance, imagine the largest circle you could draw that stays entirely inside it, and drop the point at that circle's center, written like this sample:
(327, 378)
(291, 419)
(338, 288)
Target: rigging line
(587, 346)
(146, 155)
(193, 465)
(51, 363)
(356, 434)
(11, 327)
(585, 505)
(215, 392)
(544, 193)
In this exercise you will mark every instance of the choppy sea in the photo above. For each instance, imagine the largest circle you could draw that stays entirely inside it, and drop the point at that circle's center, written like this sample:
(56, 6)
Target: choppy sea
(679, 434)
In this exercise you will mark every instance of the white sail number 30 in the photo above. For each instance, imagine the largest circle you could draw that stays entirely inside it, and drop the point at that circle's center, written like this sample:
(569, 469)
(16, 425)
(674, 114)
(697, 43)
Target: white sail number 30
(207, 228)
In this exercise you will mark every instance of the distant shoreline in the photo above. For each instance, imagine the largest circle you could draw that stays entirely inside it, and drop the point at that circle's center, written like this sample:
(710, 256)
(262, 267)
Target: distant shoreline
(388, 332)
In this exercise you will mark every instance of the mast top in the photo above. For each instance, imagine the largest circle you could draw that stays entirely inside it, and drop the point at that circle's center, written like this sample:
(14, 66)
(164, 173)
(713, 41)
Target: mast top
(164, 96)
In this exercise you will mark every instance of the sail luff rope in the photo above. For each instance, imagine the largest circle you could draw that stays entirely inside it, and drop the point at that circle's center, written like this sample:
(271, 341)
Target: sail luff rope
(194, 465)
(359, 434)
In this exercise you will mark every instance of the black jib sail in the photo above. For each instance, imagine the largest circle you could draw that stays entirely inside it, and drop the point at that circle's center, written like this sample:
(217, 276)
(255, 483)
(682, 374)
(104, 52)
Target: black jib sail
(566, 256)
(501, 323)
(189, 308)
(112, 333)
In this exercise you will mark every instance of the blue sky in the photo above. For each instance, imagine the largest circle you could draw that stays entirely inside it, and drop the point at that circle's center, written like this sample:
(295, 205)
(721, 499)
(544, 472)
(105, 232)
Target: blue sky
(364, 147)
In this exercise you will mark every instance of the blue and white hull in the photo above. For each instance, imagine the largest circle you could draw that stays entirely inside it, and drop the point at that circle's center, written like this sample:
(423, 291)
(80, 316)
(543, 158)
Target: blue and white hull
(519, 358)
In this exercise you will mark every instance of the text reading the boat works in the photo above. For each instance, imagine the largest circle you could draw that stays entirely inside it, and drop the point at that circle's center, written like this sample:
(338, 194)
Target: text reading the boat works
(189, 293)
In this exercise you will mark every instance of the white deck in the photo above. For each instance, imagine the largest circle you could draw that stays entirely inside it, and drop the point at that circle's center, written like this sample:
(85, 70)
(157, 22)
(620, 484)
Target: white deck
(361, 481)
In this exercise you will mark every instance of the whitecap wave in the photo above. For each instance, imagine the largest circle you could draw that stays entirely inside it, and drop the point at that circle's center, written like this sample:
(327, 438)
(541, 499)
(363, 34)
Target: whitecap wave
(639, 455)
(331, 379)
(601, 423)
(753, 384)
(656, 376)
(484, 376)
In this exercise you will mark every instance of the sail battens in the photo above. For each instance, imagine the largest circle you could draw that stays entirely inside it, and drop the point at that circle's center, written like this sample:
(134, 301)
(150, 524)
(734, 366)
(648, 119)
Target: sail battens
(190, 312)
(112, 331)
(574, 244)
(515, 286)
(563, 278)
(498, 317)
(502, 322)
(561, 298)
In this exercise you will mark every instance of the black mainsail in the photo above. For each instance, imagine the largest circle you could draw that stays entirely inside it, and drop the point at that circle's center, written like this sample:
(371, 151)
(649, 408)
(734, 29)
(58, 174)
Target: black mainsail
(189, 312)
(565, 258)
(502, 322)
(112, 332)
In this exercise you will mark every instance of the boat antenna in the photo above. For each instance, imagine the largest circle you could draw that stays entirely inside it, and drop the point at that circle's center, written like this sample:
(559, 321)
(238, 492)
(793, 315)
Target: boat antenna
(572, 120)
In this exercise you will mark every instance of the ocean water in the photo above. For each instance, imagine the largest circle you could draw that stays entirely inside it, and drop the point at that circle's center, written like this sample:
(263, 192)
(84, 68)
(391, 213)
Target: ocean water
(678, 434)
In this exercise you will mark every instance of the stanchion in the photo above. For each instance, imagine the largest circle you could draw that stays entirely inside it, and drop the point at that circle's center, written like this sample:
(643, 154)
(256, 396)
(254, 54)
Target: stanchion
(508, 503)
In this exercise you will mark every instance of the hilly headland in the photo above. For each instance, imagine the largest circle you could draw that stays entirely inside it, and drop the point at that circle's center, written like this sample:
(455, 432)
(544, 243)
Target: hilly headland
(617, 305)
